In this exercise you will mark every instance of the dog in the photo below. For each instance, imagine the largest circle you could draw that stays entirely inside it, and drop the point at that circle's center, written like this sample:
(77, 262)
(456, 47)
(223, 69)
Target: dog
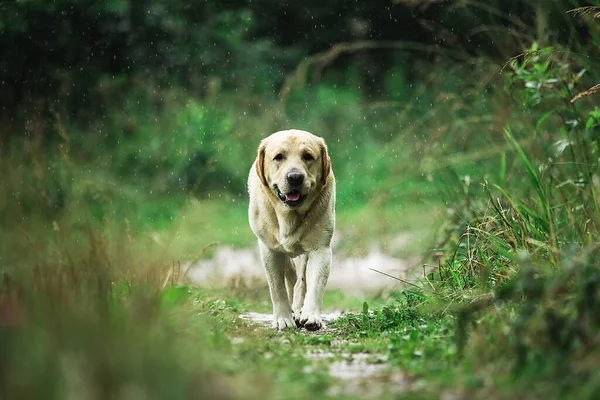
(292, 213)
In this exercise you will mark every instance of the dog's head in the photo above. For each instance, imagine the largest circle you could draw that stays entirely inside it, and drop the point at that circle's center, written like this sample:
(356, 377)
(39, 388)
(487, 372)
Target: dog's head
(294, 165)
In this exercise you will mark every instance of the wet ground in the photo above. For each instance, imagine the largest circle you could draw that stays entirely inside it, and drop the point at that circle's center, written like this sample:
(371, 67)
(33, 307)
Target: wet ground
(364, 375)
(361, 374)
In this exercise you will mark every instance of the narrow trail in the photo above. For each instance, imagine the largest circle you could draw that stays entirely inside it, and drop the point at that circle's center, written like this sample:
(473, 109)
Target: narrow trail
(359, 374)
(355, 373)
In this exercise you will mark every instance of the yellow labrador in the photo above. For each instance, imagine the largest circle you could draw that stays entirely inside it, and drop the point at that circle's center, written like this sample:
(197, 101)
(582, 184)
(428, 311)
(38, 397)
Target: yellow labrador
(292, 213)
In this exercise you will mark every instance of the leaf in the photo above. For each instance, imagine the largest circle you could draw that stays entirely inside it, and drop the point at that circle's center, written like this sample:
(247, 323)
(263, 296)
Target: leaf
(456, 277)
(502, 170)
(531, 172)
(542, 119)
(174, 295)
(589, 123)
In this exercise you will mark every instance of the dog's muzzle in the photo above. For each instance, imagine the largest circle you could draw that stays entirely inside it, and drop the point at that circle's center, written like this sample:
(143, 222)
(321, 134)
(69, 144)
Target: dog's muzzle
(291, 199)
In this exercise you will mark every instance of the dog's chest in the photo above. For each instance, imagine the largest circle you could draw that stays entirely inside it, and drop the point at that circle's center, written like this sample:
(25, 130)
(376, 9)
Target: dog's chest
(291, 246)
(291, 237)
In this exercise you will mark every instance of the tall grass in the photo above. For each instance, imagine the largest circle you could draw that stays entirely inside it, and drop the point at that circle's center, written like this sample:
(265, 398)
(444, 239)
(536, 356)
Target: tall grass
(88, 319)
(520, 264)
(89, 306)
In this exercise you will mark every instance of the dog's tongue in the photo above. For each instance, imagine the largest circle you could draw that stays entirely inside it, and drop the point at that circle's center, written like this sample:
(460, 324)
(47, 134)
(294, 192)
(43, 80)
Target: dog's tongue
(292, 196)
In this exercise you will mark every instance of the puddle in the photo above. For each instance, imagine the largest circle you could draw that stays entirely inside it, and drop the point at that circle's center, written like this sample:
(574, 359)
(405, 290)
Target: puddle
(357, 375)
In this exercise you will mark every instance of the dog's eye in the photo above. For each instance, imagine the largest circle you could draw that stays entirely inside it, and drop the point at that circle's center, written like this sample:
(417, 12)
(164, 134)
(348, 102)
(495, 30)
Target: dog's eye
(278, 157)
(307, 157)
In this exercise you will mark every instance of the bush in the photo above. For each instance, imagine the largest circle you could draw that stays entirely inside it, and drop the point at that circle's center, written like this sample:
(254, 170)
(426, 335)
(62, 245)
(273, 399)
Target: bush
(528, 245)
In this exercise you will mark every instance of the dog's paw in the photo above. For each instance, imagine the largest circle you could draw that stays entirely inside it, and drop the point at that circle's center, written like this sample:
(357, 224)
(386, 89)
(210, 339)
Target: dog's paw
(283, 321)
(297, 316)
(311, 321)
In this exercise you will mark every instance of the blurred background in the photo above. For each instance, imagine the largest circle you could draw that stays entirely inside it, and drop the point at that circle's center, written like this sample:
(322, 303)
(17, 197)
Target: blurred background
(134, 108)
(127, 129)
(138, 107)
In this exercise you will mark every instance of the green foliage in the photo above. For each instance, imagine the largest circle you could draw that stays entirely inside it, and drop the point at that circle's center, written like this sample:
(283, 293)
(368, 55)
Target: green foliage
(174, 295)
(413, 337)
(546, 211)
(167, 154)
(528, 246)
(539, 75)
(65, 325)
(109, 320)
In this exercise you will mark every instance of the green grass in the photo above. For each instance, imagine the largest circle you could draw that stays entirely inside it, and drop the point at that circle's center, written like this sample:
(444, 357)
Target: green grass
(417, 340)
(402, 230)
(398, 336)
(223, 221)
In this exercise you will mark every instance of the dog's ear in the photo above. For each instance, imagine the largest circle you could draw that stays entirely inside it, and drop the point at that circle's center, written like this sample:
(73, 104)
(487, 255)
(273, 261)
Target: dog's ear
(259, 164)
(325, 162)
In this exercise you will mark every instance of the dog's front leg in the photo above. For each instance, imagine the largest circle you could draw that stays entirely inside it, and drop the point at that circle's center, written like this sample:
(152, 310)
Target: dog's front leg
(274, 263)
(299, 287)
(317, 273)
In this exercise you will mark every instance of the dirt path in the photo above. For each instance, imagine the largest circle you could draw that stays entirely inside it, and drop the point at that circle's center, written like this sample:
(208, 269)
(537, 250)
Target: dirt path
(359, 374)
(355, 373)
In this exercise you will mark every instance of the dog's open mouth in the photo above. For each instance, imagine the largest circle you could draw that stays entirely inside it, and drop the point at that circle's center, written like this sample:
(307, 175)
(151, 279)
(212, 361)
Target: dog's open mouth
(292, 199)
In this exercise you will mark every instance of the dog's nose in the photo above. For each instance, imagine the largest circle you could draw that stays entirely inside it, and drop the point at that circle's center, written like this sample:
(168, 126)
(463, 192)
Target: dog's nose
(295, 178)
